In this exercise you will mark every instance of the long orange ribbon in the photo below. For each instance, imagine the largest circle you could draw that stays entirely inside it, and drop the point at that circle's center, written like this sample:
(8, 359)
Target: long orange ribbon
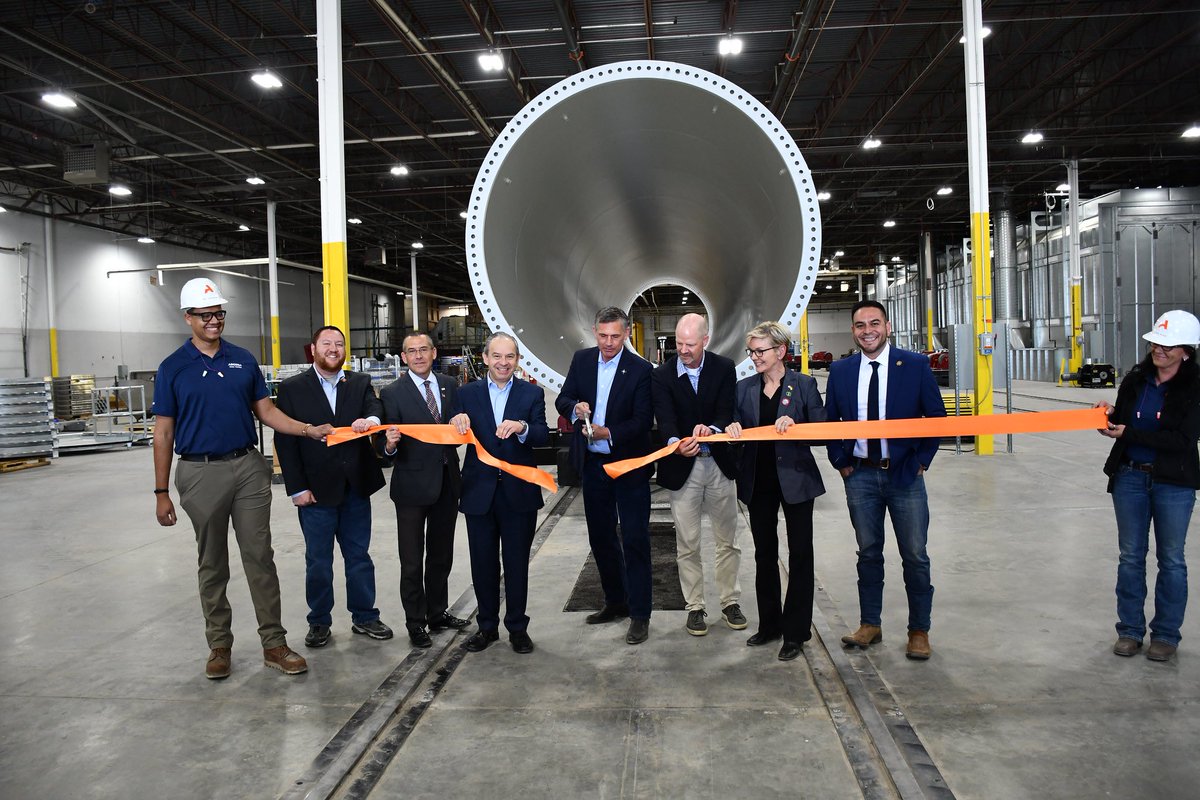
(921, 428)
(446, 434)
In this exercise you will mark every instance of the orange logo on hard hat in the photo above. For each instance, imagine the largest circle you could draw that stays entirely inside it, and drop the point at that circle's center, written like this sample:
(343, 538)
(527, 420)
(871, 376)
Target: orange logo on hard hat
(1163, 324)
(208, 288)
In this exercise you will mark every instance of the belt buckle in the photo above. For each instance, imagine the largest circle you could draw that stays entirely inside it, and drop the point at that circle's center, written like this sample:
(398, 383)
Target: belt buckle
(884, 463)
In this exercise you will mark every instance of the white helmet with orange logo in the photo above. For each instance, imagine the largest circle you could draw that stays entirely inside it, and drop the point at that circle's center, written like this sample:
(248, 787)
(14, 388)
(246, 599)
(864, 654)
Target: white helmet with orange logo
(200, 293)
(1175, 328)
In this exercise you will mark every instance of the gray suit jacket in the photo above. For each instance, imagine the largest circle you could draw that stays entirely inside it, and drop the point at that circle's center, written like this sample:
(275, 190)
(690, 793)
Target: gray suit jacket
(799, 477)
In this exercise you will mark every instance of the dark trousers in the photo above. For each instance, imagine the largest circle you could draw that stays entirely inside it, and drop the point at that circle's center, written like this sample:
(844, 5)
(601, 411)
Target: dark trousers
(508, 534)
(425, 535)
(623, 561)
(793, 617)
(350, 525)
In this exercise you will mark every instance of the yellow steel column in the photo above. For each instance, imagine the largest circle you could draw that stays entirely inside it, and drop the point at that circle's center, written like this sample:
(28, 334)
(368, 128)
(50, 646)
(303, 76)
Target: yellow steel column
(977, 168)
(273, 282)
(804, 342)
(335, 280)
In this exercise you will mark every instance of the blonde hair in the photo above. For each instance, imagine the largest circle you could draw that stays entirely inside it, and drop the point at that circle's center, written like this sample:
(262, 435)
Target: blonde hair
(772, 330)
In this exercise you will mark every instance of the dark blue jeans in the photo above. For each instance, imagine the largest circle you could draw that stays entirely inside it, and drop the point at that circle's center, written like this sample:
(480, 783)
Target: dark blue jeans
(350, 524)
(1138, 501)
(624, 561)
(869, 494)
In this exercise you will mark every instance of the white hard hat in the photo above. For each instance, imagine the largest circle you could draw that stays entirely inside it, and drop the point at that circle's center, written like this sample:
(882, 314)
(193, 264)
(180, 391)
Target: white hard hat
(200, 293)
(1175, 328)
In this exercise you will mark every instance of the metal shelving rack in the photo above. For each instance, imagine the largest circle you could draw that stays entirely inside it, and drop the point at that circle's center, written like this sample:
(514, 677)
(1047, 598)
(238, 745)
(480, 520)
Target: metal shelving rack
(27, 419)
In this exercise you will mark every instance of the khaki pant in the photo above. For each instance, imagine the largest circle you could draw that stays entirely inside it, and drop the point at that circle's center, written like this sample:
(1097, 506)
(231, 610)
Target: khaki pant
(212, 494)
(706, 490)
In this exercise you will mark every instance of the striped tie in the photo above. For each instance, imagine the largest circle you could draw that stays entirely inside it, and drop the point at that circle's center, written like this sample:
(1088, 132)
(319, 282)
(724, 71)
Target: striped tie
(432, 403)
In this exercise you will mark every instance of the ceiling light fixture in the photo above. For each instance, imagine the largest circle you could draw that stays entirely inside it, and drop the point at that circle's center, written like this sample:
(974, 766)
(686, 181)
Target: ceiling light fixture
(418, 245)
(145, 240)
(870, 143)
(267, 79)
(891, 223)
(845, 286)
(895, 259)
(120, 191)
(729, 45)
(1033, 137)
(1192, 132)
(1063, 187)
(823, 196)
(3, 210)
(58, 100)
(491, 61)
(354, 221)
(462, 214)
(839, 253)
(945, 190)
(243, 228)
(984, 32)
(254, 180)
(399, 170)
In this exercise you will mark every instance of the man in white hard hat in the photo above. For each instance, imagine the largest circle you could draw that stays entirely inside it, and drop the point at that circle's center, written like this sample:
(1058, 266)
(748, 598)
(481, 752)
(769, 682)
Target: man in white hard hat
(206, 396)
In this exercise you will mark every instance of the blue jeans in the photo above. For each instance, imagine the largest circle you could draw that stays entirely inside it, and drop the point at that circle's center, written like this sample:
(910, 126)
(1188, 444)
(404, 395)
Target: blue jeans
(868, 494)
(350, 524)
(1138, 500)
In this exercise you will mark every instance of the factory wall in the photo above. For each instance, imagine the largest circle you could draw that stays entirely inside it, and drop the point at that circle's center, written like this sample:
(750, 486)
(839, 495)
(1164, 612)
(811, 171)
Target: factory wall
(106, 318)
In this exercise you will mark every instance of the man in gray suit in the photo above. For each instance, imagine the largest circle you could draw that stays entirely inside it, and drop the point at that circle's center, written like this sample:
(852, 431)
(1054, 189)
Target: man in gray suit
(426, 487)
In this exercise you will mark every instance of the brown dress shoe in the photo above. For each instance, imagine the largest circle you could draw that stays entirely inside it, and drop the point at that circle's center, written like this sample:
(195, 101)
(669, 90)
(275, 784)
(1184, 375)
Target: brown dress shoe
(1160, 651)
(864, 637)
(1126, 646)
(284, 659)
(218, 664)
(918, 645)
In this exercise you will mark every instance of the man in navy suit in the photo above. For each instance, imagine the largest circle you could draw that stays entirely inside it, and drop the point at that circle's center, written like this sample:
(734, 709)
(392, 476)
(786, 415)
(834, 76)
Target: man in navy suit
(609, 387)
(331, 487)
(425, 488)
(508, 416)
(883, 382)
(693, 398)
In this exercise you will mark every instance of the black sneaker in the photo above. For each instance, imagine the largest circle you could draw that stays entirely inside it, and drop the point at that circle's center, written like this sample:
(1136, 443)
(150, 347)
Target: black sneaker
(696, 625)
(375, 629)
(318, 636)
(734, 617)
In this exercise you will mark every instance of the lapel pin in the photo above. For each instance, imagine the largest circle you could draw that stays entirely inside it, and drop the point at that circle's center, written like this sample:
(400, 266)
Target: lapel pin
(897, 362)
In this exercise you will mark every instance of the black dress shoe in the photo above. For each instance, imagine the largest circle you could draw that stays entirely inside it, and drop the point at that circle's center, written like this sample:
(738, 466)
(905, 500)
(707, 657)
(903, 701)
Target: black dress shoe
(607, 614)
(446, 620)
(374, 628)
(419, 636)
(318, 636)
(790, 651)
(480, 641)
(639, 631)
(521, 643)
(762, 637)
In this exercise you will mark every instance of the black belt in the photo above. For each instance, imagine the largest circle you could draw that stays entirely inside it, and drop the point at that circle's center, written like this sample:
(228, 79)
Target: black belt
(230, 456)
(1146, 468)
(882, 463)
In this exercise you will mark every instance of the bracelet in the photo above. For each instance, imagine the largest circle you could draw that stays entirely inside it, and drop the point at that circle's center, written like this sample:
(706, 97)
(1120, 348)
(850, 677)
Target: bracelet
(304, 430)
(162, 491)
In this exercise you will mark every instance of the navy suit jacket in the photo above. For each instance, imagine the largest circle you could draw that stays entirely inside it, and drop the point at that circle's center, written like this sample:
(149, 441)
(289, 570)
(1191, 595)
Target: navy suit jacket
(417, 465)
(912, 392)
(630, 410)
(480, 482)
(312, 465)
(799, 476)
(679, 409)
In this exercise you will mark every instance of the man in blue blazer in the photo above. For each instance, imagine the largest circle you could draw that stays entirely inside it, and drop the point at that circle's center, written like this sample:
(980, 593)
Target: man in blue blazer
(508, 416)
(610, 387)
(331, 487)
(883, 382)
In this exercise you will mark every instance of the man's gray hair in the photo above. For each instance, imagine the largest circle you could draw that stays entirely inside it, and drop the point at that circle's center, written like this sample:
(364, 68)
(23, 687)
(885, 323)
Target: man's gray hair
(612, 314)
(502, 335)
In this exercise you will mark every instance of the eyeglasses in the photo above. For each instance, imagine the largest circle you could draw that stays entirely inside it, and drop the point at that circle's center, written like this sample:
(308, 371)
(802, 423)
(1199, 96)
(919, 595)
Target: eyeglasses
(1166, 348)
(760, 352)
(418, 351)
(206, 316)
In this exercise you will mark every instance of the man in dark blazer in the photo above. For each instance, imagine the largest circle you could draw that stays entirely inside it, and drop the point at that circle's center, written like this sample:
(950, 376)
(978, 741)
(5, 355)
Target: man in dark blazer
(425, 488)
(693, 398)
(331, 487)
(508, 416)
(607, 392)
(883, 382)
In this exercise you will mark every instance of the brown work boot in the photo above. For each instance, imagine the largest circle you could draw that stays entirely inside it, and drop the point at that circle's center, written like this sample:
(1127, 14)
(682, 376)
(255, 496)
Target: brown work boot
(218, 664)
(864, 637)
(284, 659)
(918, 646)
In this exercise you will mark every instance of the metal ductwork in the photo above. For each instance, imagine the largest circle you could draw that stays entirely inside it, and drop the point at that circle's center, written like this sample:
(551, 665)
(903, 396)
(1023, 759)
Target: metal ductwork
(633, 175)
(1005, 248)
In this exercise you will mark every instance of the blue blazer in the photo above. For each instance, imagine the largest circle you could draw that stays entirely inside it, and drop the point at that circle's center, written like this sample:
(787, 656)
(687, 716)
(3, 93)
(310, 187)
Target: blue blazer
(630, 410)
(799, 476)
(912, 392)
(480, 482)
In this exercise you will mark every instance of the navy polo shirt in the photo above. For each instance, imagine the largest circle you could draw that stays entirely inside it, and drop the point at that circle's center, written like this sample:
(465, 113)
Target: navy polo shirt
(210, 399)
(1146, 418)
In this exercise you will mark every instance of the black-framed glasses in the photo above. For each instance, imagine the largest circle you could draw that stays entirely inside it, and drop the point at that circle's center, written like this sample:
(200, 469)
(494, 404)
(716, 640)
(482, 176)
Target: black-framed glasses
(206, 316)
(1166, 348)
(761, 351)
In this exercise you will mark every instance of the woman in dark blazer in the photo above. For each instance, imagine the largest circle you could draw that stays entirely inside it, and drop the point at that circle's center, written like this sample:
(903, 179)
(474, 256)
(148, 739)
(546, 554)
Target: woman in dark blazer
(778, 474)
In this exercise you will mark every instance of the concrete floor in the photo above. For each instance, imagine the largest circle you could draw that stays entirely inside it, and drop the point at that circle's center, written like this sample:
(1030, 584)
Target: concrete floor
(102, 690)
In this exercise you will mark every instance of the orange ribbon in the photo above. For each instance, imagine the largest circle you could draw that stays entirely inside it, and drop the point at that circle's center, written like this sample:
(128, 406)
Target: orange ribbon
(920, 428)
(446, 434)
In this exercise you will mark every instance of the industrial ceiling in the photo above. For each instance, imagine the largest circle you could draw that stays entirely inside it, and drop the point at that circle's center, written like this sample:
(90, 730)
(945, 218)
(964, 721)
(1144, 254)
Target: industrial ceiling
(166, 86)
